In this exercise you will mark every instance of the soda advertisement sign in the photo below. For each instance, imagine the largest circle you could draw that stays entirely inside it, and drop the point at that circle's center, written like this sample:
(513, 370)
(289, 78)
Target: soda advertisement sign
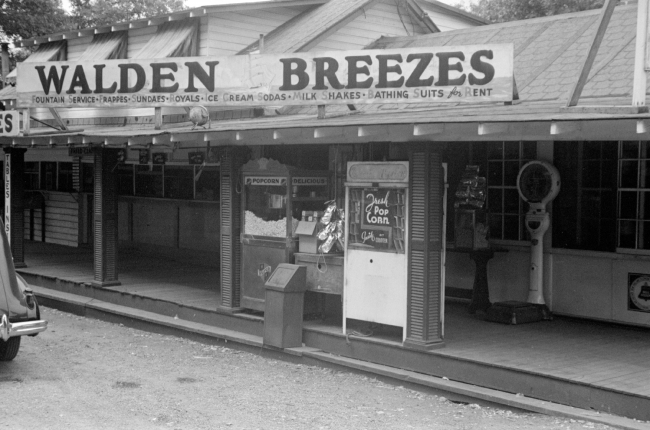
(443, 74)
(638, 292)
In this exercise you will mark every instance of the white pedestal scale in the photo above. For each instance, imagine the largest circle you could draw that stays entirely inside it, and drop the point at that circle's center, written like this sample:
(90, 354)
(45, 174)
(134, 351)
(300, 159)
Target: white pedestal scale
(538, 183)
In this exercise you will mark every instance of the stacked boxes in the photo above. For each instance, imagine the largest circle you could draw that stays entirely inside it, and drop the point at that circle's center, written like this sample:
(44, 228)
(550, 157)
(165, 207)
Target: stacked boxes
(307, 231)
(312, 215)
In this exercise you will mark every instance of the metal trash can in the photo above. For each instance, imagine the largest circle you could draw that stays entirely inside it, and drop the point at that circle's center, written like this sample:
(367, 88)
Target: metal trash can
(285, 295)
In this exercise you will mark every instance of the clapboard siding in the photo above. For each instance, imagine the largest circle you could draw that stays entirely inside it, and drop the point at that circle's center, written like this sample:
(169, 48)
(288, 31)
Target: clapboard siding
(61, 220)
(203, 36)
(229, 33)
(61, 242)
(138, 37)
(76, 47)
(381, 19)
(225, 48)
(446, 22)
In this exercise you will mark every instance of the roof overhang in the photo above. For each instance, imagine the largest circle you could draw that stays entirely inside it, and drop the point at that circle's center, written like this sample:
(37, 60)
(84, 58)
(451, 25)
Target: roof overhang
(400, 126)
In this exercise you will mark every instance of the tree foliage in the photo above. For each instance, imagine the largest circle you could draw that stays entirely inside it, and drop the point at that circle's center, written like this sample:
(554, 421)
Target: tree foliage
(95, 13)
(512, 10)
(24, 19)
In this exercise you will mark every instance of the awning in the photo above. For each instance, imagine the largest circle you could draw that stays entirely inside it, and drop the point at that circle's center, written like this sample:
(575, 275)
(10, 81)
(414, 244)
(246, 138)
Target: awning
(8, 93)
(51, 51)
(173, 39)
(106, 46)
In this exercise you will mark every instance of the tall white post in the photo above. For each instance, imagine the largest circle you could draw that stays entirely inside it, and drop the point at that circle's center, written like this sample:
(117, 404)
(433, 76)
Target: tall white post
(640, 54)
(8, 196)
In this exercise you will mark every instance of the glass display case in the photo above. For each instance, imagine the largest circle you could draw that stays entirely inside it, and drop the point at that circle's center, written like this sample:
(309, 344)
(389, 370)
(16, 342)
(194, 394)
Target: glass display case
(274, 197)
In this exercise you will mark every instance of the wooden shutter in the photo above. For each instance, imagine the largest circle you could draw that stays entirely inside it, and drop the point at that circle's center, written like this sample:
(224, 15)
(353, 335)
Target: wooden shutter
(425, 248)
(230, 229)
(105, 217)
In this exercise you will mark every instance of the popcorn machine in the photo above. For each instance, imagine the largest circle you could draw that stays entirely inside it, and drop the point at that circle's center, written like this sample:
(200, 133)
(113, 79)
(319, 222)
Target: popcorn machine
(274, 197)
(376, 262)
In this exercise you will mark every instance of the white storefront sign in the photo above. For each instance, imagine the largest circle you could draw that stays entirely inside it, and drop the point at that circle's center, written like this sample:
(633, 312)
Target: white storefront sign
(9, 123)
(462, 74)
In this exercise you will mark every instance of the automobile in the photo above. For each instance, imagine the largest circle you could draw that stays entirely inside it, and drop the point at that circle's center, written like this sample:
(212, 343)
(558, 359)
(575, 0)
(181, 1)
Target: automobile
(19, 311)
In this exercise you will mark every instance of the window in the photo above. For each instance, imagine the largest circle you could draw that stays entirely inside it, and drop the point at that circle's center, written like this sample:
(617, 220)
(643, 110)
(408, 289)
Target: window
(125, 179)
(31, 175)
(584, 212)
(149, 180)
(88, 178)
(64, 177)
(48, 175)
(500, 163)
(207, 183)
(634, 196)
(169, 181)
(179, 182)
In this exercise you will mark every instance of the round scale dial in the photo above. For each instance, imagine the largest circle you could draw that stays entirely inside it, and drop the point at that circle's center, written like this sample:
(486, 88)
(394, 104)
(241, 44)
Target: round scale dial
(538, 182)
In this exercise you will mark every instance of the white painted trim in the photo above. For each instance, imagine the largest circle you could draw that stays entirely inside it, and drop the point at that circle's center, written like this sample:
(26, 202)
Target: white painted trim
(327, 132)
(426, 129)
(493, 128)
(373, 130)
(565, 127)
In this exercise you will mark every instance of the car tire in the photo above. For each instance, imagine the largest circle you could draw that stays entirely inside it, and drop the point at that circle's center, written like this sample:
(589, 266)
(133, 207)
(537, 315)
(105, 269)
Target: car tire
(9, 348)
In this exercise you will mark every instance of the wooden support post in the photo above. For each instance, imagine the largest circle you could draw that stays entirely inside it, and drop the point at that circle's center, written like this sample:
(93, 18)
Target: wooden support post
(641, 54)
(321, 111)
(425, 295)
(4, 60)
(14, 206)
(58, 119)
(230, 205)
(158, 118)
(105, 217)
(605, 15)
(26, 121)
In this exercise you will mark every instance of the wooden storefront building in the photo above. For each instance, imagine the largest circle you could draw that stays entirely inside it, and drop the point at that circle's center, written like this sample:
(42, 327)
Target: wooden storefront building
(87, 184)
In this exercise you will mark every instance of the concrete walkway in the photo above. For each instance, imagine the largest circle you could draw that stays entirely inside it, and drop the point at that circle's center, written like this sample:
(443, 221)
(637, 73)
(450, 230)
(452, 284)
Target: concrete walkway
(573, 362)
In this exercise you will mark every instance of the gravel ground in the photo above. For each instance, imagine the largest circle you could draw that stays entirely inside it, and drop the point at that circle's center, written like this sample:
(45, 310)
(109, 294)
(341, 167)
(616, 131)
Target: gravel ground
(89, 374)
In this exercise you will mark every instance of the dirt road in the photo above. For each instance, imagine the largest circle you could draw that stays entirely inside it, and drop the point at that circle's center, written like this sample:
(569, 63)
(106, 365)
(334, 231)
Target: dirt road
(89, 374)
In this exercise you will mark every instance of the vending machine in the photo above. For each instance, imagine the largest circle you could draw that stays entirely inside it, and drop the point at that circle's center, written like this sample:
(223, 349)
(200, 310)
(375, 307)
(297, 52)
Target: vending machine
(376, 262)
(274, 198)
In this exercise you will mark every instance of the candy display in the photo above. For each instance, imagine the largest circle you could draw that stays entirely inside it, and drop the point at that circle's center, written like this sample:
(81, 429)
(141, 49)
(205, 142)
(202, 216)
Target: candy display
(471, 190)
(332, 232)
(258, 227)
(471, 227)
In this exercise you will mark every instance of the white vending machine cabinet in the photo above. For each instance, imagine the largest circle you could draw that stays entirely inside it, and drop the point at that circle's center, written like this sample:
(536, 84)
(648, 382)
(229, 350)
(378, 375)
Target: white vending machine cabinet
(376, 262)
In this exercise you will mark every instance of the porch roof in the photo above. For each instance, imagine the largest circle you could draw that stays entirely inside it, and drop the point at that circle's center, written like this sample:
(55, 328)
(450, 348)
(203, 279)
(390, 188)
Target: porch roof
(532, 121)
(546, 67)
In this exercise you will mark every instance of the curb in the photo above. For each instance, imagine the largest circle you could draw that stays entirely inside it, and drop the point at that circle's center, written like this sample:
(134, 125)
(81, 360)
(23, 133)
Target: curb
(150, 321)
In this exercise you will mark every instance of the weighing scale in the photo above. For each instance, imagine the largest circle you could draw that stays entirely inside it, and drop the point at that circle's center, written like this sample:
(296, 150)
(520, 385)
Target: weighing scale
(538, 183)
